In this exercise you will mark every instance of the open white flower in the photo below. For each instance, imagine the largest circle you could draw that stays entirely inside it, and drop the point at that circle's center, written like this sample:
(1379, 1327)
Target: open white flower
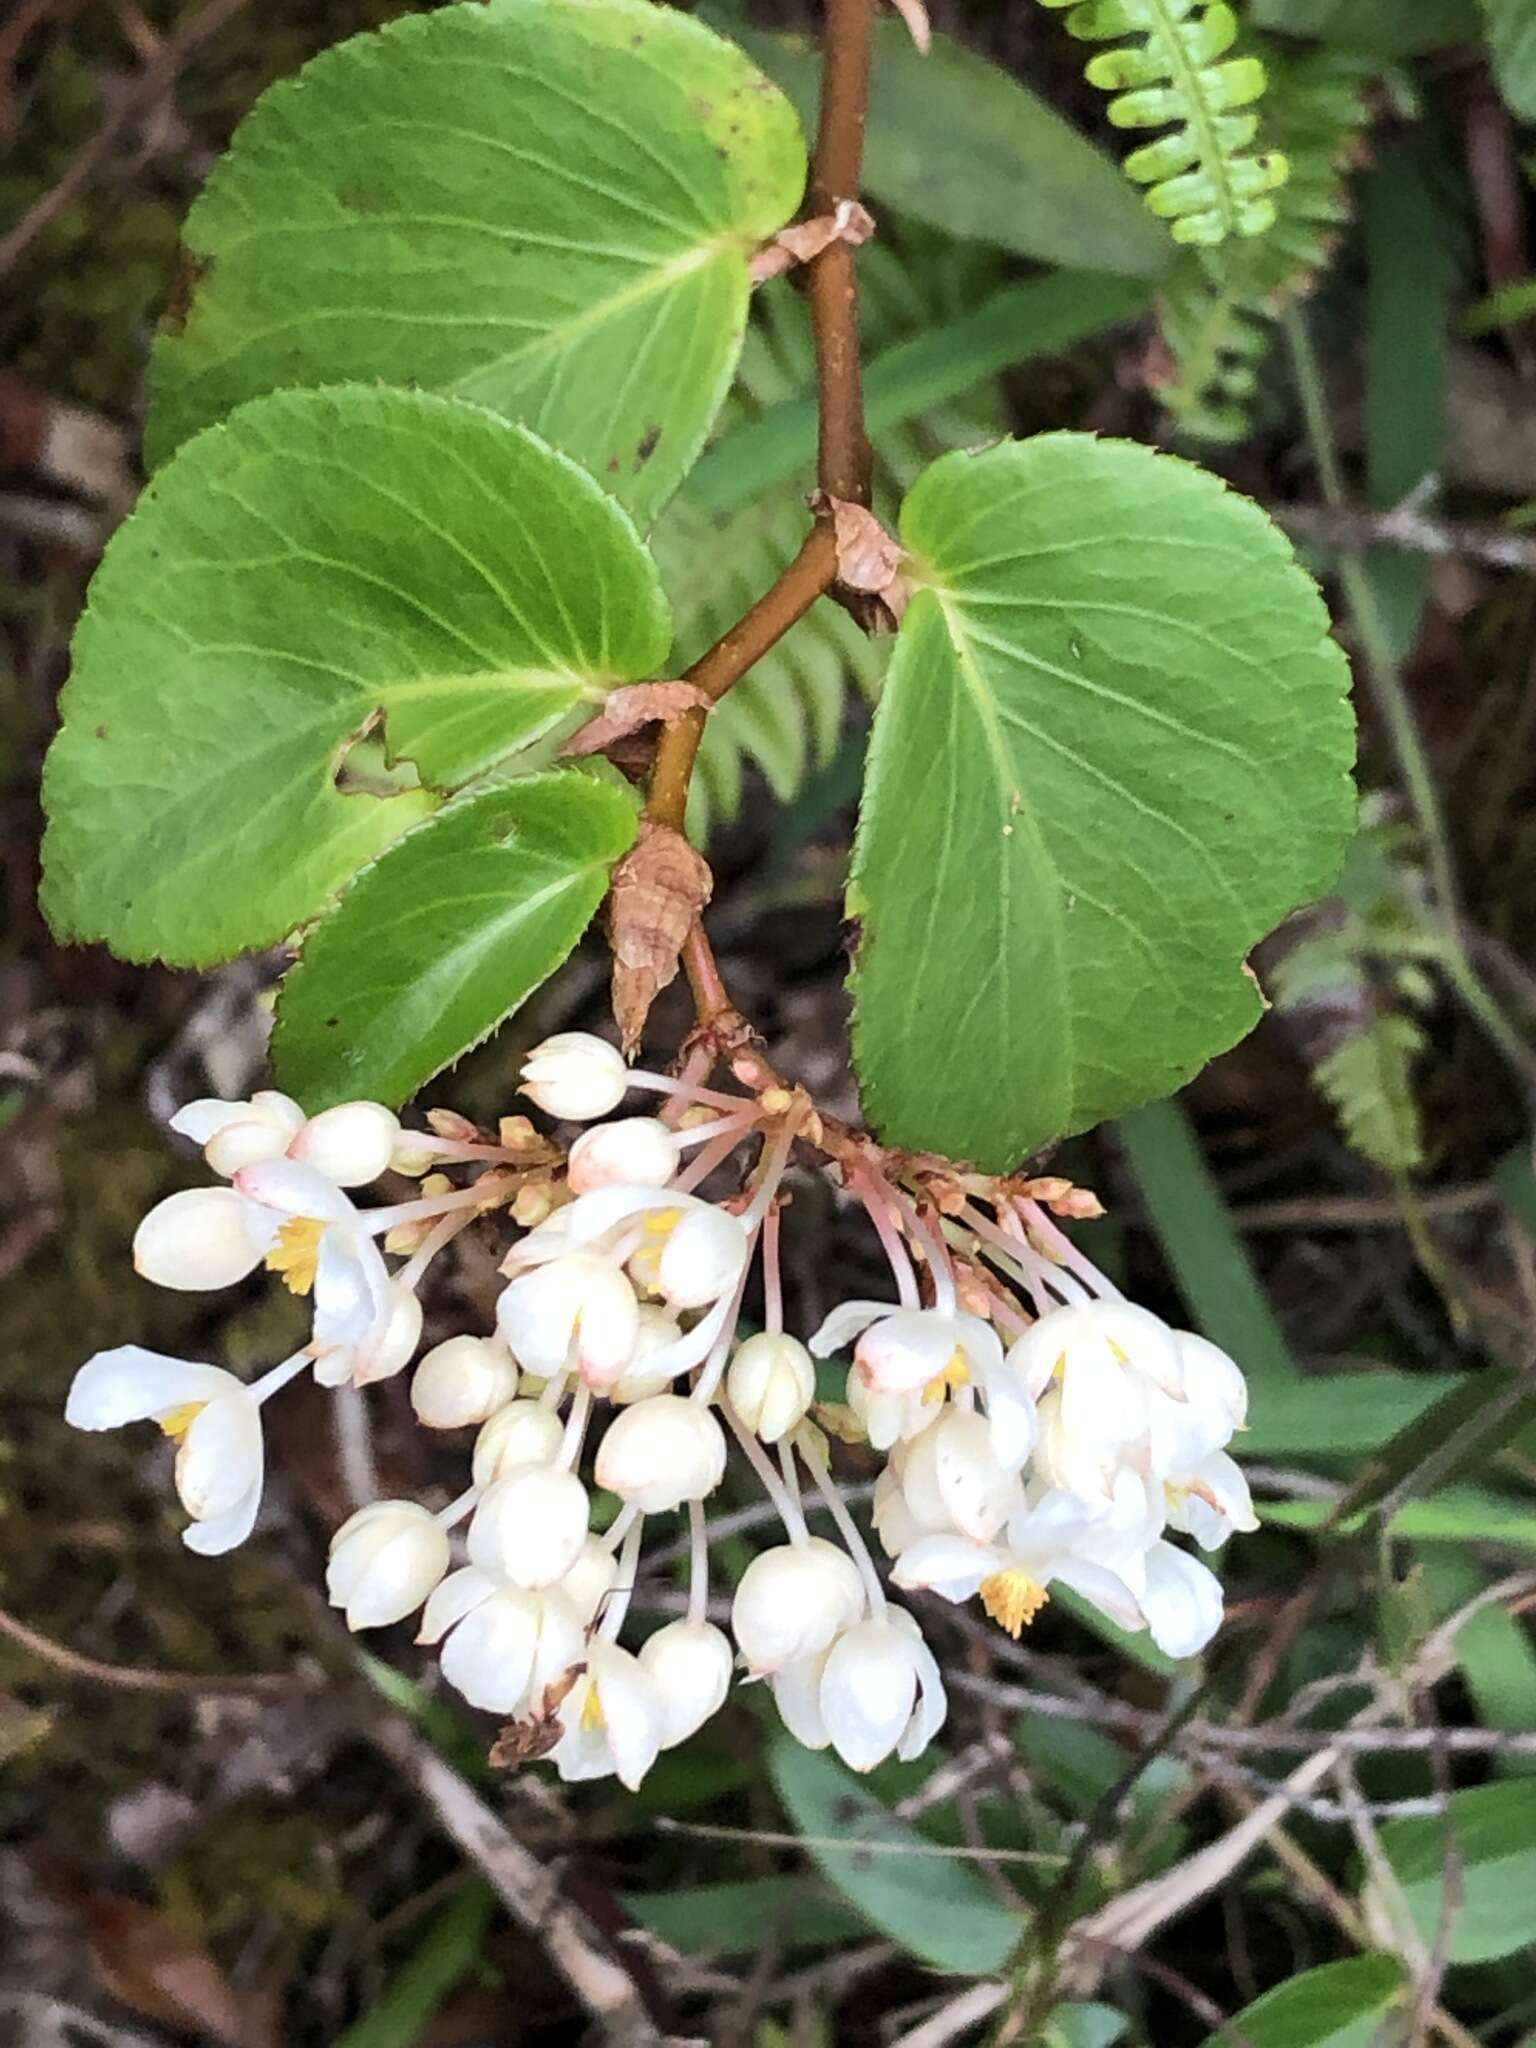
(890, 1419)
(578, 1311)
(1095, 1370)
(614, 1720)
(214, 1419)
(321, 1247)
(384, 1561)
(236, 1134)
(1210, 1503)
(909, 1359)
(1042, 1543)
(1181, 1599)
(875, 1690)
(791, 1601)
(505, 1645)
(1212, 1404)
(689, 1662)
(575, 1076)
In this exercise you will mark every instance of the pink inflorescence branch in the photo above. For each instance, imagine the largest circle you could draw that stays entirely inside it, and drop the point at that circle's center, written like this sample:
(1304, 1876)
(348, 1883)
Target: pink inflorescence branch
(1037, 1428)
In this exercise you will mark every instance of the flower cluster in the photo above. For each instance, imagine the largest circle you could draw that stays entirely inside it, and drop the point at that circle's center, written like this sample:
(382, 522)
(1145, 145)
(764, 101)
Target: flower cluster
(1037, 1429)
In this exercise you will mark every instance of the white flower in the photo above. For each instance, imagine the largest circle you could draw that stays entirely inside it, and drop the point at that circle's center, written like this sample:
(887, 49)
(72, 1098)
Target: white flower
(236, 1134)
(522, 1433)
(505, 1645)
(382, 1352)
(689, 1662)
(634, 1151)
(914, 1357)
(895, 1524)
(1042, 1543)
(321, 1247)
(464, 1380)
(214, 1419)
(702, 1257)
(577, 1310)
(791, 1601)
(952, 1479)
(384, 1562)
(1096, 1370)
(1212, 1404)
(880, 1691)
(890, 1419)
(661, 1452)
(613, 1718)
(201, 1239)
(590, 1579)
(1181, 1599)
(650, 1369)
(771, 1383)
(575, 1076)
(1210, 1503)
(351, 1144)
(531, 1525)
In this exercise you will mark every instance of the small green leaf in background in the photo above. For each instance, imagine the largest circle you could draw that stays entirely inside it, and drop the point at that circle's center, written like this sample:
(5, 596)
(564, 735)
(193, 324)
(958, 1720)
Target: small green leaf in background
(1480, 1415)
(545, 206)
(1112, 752)
(956, 142)
(1336, 1413)
(1383, 28)
(733, 1919)
(1493, 1828)
(328, 564)
(442, 1956)
(935, 1907)
(1339, 2005)
(1083, 2026)
(1512, 45)
(1459, 1514)
(443, 937)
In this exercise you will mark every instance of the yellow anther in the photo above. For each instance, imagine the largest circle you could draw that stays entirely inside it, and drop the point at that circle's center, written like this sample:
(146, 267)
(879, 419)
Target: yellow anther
(177, 1421)
(592, 1711)
(774, 1101)
(661, 1222)
(296, 1253)
(1012, 1599)
(955, 1374)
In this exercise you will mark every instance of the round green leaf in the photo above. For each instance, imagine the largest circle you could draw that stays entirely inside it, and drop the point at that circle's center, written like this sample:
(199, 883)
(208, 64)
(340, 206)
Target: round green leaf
(443, 937)
(545, 206)
(328, 565)
(1113, 751)
(1337, 2005)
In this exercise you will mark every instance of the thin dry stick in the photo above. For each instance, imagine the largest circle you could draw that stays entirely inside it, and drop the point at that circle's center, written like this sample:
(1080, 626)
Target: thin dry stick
(134, 1678)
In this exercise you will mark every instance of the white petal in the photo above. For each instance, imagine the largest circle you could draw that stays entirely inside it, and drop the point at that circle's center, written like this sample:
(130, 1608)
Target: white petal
(660, 1453)
(209, 1114)
(351, 1288)
(397, 1563)
(1014, 1419)
(869, 1692)
(928, 1716)
(631, 1709)
(845, 1322)
(689, 1663)
(390, 1350)
(489, 1656)
(1182, 1601)
(1222, 1505)
(531, 1525)
(952, 1479)
(199, 1240)
(797, 1695)
(950, 1566)
(1211, 1378)
(636, 1150)
(792, 1600)
(220, 1533)
(703, 1258)
(459, 1594)
(1103, 1589)
(246, 1142)
(350, 1144)
(291, 1188)
(220, 1457)
(522, 1433)
(131, 1384)
(589, 1581)
(903, 1352)
(562, 1644)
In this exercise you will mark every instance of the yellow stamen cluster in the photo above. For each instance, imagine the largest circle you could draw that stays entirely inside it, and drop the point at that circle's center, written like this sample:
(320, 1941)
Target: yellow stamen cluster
(592, 1710)
(296, 1254)
(177, 1421)
(1012, 1599)
(956, 1374)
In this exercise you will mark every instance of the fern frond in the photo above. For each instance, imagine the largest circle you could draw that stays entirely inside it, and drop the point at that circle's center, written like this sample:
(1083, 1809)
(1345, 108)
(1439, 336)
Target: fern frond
(1201, 177)
(1355, 981)
(1218, 305)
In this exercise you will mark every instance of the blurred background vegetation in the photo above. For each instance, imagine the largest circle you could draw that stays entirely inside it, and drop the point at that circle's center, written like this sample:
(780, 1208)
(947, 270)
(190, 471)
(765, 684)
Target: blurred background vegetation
(219, 1824)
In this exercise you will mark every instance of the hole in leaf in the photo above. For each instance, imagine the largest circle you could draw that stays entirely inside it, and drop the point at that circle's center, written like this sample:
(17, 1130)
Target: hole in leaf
(363, 766)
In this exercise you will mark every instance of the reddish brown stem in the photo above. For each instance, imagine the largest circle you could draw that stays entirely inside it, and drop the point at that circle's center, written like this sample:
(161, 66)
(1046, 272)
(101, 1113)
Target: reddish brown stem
(843, 461)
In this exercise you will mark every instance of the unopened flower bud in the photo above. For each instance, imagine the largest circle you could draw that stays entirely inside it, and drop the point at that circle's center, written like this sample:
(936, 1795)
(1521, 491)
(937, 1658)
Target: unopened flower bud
(575, 1076)
(659, 1330)
(792, 1600)
(690, 1662)
(662, 1452)
(590, 1579)
(384, 1562)
(703, 1258)
(880, 1691)
(636, 1150)
(350, 1144)
(522, 1433)
(397, 1346)
(952, 1478)
(463, 1381)
(531, 1525)
(236, 1134)
(771, 1383)
(201, 1239)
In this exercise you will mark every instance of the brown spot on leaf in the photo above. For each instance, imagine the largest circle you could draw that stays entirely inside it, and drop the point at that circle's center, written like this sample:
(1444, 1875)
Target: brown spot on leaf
(189, 274)
(647, 445)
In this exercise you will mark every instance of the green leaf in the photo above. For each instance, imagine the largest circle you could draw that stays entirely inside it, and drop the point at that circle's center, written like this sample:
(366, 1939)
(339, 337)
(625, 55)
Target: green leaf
(1480, 1415)
(545, 206)
(1512, 46)
(443, 1954)
(935, 1907)
(443, 937)
(1336, 1413)
(1214, 1272)
(729, 1919)
(1112, 752)
(1461, 1514)
(1493, 1830)
(1383, 28)
(1084, 2026)
(327, 563)
(954, 141)
(1340, 2005)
